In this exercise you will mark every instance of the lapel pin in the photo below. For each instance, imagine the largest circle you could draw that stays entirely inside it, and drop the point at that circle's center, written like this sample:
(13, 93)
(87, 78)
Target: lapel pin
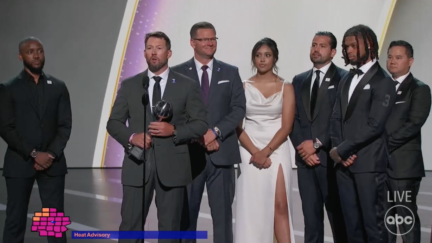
(218, 69)
(327, 79)
(49, 82)
(173, 81)
(399, 92)
(190, 68)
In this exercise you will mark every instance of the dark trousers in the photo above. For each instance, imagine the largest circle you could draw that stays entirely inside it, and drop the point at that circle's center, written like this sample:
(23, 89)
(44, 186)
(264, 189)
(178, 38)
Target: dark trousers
(169, 202)
(318, 189)
(403, 207)
(363, 205)
(51, 192)
(220, 183)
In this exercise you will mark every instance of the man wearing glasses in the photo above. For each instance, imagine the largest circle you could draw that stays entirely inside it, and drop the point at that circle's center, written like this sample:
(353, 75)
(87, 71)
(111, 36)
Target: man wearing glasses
(214, 155)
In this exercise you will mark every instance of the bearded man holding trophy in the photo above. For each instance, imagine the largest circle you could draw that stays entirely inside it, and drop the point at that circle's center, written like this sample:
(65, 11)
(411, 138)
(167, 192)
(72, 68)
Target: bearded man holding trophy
(164, 111)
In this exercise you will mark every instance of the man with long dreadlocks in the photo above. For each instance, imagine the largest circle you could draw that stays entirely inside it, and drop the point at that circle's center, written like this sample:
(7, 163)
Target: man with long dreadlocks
(364, 101)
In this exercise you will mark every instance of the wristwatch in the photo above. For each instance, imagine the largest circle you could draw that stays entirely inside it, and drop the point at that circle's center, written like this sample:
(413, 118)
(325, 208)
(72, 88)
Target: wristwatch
(33, 154)
(174, 133)
(217, 131)
(316, 144)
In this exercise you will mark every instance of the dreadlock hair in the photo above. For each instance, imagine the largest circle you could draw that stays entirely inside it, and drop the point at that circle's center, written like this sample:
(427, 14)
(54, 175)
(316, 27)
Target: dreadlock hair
(370, 40)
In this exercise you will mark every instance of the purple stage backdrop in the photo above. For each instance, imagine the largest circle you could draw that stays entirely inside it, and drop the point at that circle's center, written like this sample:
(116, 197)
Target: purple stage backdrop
(145, 19)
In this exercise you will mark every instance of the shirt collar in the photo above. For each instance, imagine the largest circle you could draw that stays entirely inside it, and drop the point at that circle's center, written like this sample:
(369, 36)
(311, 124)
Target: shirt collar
(323, 69)
(368, 65)
(402, 78)
(26, 76)
(198, 65)
(163, 75)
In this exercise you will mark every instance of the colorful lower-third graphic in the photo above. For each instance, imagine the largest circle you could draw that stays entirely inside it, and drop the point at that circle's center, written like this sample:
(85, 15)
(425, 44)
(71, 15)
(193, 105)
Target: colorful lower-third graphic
(49, 222)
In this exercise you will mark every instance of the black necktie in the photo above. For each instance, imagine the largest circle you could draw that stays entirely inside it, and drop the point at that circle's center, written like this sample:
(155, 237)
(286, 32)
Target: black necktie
(356, 71)
(395, 83)
(156, 90)
(314, 93)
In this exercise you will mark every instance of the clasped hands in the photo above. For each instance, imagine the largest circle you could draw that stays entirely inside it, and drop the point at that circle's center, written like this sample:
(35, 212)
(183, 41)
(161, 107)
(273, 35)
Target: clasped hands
(336, 158)
(208, 141)
(155, 129)
(261, 159)
(43, 161)
(307, 152)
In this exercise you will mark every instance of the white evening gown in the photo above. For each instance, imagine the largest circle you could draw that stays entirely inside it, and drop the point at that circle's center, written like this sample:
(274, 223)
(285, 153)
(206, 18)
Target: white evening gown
(255, 188)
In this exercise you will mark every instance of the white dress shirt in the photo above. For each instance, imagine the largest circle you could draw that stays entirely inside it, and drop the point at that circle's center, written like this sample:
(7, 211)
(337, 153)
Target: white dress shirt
(152, 82)
(323, 72)
(199, 65)
(356, 79)
(401, 79)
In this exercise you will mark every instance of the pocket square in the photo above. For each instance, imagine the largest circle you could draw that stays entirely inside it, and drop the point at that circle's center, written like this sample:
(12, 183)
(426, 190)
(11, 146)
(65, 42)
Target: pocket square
(223, 81)
(331, 87)
(400, 102)
(367, 86)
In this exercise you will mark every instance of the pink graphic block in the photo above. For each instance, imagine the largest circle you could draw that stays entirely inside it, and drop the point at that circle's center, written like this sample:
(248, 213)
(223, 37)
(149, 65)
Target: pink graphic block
(57, 228)
(45, 227)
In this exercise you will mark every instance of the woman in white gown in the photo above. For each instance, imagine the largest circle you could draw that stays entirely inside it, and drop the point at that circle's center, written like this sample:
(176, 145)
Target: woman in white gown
(263, 188)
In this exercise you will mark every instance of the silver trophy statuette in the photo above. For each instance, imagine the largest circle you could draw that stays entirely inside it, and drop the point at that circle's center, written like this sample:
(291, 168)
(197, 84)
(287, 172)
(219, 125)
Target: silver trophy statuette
(162, 110)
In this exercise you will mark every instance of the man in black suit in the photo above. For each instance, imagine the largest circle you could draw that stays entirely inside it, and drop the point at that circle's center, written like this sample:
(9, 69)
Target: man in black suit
(363, 104)
(315, 92)
(35, 122)
(406, 168)
(168, 168)
(223, 93)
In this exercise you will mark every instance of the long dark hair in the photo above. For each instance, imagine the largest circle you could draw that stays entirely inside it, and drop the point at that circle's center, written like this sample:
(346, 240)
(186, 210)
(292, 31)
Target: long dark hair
(370, 40)
(272, 45)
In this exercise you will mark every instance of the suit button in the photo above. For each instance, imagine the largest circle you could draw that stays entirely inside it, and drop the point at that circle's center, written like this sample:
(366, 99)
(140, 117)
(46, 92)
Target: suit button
(42, 125)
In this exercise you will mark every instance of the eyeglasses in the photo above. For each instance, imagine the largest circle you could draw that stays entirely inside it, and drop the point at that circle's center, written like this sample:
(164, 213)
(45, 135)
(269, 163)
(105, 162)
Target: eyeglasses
(207, 39)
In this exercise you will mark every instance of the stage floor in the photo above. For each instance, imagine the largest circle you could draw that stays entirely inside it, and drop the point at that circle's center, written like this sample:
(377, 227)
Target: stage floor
(93, 199)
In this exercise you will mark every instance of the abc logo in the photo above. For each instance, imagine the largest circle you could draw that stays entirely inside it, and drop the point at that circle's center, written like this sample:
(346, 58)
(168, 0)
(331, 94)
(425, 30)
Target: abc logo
(393, 220)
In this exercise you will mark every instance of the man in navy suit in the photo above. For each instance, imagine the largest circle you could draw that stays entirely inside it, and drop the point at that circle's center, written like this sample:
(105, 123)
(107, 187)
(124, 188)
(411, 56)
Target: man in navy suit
(214, 156)
(315, 92)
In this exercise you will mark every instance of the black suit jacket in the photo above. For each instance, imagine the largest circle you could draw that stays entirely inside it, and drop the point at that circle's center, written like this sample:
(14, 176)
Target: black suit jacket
(170, 156)
(24, 128)
(226, 108)
(411, 110)
(307, 127)
(358, 126)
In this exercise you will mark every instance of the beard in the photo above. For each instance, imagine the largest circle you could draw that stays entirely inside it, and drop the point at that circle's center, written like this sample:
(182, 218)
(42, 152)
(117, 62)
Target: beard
(156, 67)
(33, 69)
(359, 61)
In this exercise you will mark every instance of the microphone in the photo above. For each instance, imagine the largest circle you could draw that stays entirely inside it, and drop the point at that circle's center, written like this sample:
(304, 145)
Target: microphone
(145, 82)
